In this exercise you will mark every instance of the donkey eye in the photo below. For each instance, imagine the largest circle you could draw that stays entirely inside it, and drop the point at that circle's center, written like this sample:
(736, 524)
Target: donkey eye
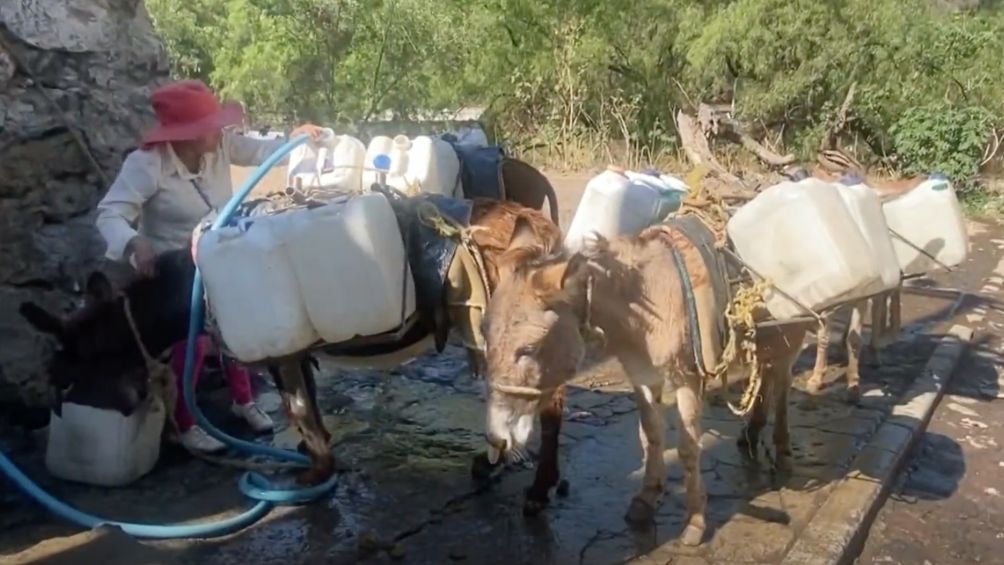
(525, 351)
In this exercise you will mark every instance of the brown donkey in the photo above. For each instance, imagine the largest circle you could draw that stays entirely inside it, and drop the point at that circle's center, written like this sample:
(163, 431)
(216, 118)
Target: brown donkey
(628, 289)
(883, 309)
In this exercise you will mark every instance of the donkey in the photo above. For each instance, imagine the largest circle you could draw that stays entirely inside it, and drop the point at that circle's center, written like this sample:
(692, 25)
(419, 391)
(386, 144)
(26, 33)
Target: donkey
(526, 185)
(884, 309)
(628, 289)
(98, 346)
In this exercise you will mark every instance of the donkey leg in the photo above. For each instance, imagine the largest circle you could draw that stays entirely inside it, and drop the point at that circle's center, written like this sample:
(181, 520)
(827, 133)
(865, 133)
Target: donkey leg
(547, 474)
(880, 328)
(853, 341)
(651, 432)
(478, 363)
(779, 374)
(895, 311)
(307, 367)
(815, 383)
(689, 403)
(302, 407)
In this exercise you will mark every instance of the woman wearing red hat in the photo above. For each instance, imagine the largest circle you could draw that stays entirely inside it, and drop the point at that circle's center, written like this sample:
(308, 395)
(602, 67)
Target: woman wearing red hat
(180, 174)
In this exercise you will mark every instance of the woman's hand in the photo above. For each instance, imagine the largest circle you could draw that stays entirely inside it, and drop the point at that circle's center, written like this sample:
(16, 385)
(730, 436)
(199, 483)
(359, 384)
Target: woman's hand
(312, 131)
(144, 259)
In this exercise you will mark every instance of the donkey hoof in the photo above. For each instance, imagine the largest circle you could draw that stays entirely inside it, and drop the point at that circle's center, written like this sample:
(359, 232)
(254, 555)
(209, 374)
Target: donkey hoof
(533, 505)
(814, 385)
(481, 468)
(692, 535)
(563, 488)
(640, 512)
(312, 477)
(317, 474)
(782, 463)
(853, 394)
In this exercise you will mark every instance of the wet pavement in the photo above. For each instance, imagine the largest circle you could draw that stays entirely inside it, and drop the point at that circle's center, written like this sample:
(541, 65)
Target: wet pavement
(405, 440)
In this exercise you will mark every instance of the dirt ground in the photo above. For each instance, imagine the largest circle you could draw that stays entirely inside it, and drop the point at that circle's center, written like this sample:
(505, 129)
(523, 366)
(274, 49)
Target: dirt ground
(948, 504)
(405, 439)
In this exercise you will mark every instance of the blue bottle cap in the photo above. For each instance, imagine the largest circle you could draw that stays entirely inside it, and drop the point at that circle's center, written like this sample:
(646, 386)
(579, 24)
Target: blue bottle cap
(798, 174)
(382, 162)
(850, 179)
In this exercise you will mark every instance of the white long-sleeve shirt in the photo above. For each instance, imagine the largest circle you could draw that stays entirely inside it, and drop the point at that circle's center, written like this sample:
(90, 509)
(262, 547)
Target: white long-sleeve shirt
(156, 189)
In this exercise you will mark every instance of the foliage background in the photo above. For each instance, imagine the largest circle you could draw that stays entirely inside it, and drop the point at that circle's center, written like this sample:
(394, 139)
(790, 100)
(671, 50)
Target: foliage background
(577, 82)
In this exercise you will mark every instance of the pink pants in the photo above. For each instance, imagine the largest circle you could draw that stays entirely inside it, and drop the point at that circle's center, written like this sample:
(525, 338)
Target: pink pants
(238, 378)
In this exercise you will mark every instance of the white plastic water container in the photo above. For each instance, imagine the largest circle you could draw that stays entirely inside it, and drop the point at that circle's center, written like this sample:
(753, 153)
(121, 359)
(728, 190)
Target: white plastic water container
(103, 447)
(379, 145)
(930, 218)
(400, 160)
(618, 202)
(252, 290)
(341, 165)
(804, 240)
(350, 267)
(675, 183)
(670, 189)
(433, 166)
(865, 207)
(333, 162)
(471, 136)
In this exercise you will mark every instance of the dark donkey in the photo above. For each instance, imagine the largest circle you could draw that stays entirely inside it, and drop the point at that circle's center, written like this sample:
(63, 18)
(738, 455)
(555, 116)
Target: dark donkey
(99, 351)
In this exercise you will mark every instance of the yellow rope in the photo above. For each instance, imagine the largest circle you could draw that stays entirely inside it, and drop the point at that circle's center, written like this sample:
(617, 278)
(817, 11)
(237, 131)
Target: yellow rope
(708, 208)
(741, 342)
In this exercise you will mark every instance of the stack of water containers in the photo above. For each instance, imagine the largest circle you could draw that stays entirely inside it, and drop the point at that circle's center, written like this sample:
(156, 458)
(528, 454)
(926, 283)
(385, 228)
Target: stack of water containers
(279, 284)
(333, 162)
(342, 162)
(422, 164)
(619, 202)
(827, 243)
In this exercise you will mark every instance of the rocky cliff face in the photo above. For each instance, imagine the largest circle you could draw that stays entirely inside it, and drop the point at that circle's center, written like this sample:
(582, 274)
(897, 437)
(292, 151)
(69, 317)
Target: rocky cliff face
(84, 66)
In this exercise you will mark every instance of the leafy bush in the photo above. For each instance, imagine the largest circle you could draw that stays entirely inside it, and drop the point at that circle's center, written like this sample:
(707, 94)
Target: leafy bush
(575, 77)
(938, 137)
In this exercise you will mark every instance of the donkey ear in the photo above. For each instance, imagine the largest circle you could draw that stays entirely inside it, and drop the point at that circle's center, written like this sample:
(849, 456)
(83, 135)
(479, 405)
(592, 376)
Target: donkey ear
(550, 278)
(99, 288)
(522, 234)
(41, 319)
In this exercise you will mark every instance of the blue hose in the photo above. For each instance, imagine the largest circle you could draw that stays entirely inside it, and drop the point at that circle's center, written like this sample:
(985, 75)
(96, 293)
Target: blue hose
(253, 485)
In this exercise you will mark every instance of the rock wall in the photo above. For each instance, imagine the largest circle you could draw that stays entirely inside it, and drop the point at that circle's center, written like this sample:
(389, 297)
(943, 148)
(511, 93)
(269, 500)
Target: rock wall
(65, 65)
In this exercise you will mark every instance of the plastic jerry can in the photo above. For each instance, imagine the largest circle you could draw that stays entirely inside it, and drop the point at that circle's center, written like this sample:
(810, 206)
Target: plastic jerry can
(865, 207)
(102, 447)
(433, 166)
(613, 204)
(350, 267)
(928, 218)
(252, 291)
(379, 145)
(802, 238)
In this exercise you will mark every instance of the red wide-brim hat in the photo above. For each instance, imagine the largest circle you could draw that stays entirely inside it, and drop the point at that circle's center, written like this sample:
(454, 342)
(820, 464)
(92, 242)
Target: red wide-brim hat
(188, 110)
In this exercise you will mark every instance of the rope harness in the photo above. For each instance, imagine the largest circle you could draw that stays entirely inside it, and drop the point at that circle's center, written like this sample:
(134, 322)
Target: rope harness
(746, 298)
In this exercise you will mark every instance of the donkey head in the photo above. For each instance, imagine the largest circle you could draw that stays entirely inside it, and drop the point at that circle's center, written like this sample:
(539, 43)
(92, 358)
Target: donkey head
(96, 354)
(533, 338)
